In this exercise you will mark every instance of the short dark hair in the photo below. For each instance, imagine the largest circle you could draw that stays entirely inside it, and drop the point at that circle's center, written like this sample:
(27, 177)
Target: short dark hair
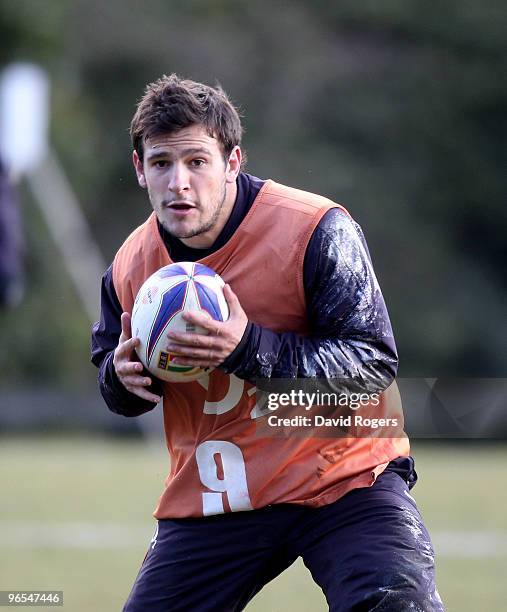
(170, 104)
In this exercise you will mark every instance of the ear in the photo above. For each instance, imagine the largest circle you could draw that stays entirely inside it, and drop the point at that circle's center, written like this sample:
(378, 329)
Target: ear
(233, 165)
(139, 168)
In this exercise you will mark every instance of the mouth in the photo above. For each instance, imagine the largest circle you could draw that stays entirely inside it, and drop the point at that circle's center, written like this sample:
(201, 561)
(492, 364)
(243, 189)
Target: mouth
(180, 207)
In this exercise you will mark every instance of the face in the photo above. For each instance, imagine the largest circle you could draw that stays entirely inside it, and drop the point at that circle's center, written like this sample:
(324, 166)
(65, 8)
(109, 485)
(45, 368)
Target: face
(191, 187)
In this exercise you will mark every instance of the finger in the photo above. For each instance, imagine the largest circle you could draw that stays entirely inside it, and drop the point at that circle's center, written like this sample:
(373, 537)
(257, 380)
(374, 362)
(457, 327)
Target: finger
(182, 341)
(128, 368)
(198, 362)
(201, 319)
(197, 353)
(135, 381)
(126, 347)
(145, 394)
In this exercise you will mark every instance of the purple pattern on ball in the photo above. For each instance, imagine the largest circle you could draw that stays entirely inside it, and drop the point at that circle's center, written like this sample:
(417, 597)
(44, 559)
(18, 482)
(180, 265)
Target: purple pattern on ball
(172, 302)
(208, 300)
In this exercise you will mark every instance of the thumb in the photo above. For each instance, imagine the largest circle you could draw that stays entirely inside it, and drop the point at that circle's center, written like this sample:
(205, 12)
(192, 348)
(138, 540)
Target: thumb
(232, 300)
(126, 328)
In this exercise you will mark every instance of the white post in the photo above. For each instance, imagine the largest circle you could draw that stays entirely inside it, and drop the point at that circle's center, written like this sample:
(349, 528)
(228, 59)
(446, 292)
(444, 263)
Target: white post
(70, 231)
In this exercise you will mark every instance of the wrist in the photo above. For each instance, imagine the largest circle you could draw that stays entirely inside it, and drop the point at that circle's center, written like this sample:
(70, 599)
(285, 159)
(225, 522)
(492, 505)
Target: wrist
(231, 362)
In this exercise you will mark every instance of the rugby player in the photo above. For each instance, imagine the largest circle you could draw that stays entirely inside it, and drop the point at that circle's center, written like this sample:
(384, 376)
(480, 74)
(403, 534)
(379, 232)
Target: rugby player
(239, 508)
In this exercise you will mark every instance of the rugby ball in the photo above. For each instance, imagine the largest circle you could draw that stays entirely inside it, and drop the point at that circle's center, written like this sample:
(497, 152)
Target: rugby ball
(159, 306)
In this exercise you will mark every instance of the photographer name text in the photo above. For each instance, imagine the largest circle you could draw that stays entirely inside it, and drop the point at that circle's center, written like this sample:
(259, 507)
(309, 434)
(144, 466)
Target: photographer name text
(318, 420)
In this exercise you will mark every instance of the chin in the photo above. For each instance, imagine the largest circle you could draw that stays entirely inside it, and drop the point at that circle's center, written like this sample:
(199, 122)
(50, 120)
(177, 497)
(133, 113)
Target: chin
(181, 233)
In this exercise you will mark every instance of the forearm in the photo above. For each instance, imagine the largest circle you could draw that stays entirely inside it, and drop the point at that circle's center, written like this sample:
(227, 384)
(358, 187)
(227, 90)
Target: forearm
(366, 365)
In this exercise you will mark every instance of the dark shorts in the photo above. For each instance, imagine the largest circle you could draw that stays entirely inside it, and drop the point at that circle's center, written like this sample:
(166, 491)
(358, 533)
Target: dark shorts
(367, 551)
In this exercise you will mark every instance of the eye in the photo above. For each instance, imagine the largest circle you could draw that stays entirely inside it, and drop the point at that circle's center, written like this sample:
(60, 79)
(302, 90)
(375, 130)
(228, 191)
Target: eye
(160, 163)
(197, 163)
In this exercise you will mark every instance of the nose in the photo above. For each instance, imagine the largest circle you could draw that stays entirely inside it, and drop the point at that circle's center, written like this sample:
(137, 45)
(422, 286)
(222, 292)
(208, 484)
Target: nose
(179, 178)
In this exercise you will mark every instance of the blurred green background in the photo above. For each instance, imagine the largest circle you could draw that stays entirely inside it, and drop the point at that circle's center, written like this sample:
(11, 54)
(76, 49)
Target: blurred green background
(396, 109)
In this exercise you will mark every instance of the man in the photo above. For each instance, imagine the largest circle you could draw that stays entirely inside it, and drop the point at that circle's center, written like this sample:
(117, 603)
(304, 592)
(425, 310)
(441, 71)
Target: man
(239, 507)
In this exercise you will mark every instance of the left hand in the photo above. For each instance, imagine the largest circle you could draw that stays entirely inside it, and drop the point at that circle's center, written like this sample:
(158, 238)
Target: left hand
(209, 350)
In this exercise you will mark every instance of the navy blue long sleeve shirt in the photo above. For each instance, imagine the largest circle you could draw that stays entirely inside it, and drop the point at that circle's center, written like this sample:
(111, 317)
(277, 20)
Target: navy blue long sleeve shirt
(350, 333)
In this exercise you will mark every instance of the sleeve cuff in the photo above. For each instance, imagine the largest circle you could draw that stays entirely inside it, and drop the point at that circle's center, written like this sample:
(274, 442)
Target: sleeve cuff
(118, 398)
(237, 357)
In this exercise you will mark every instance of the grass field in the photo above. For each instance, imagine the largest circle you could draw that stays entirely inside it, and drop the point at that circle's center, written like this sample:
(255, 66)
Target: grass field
(76, 515)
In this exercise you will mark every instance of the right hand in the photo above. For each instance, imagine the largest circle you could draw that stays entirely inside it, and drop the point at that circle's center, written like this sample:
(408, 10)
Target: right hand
(128, 368)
